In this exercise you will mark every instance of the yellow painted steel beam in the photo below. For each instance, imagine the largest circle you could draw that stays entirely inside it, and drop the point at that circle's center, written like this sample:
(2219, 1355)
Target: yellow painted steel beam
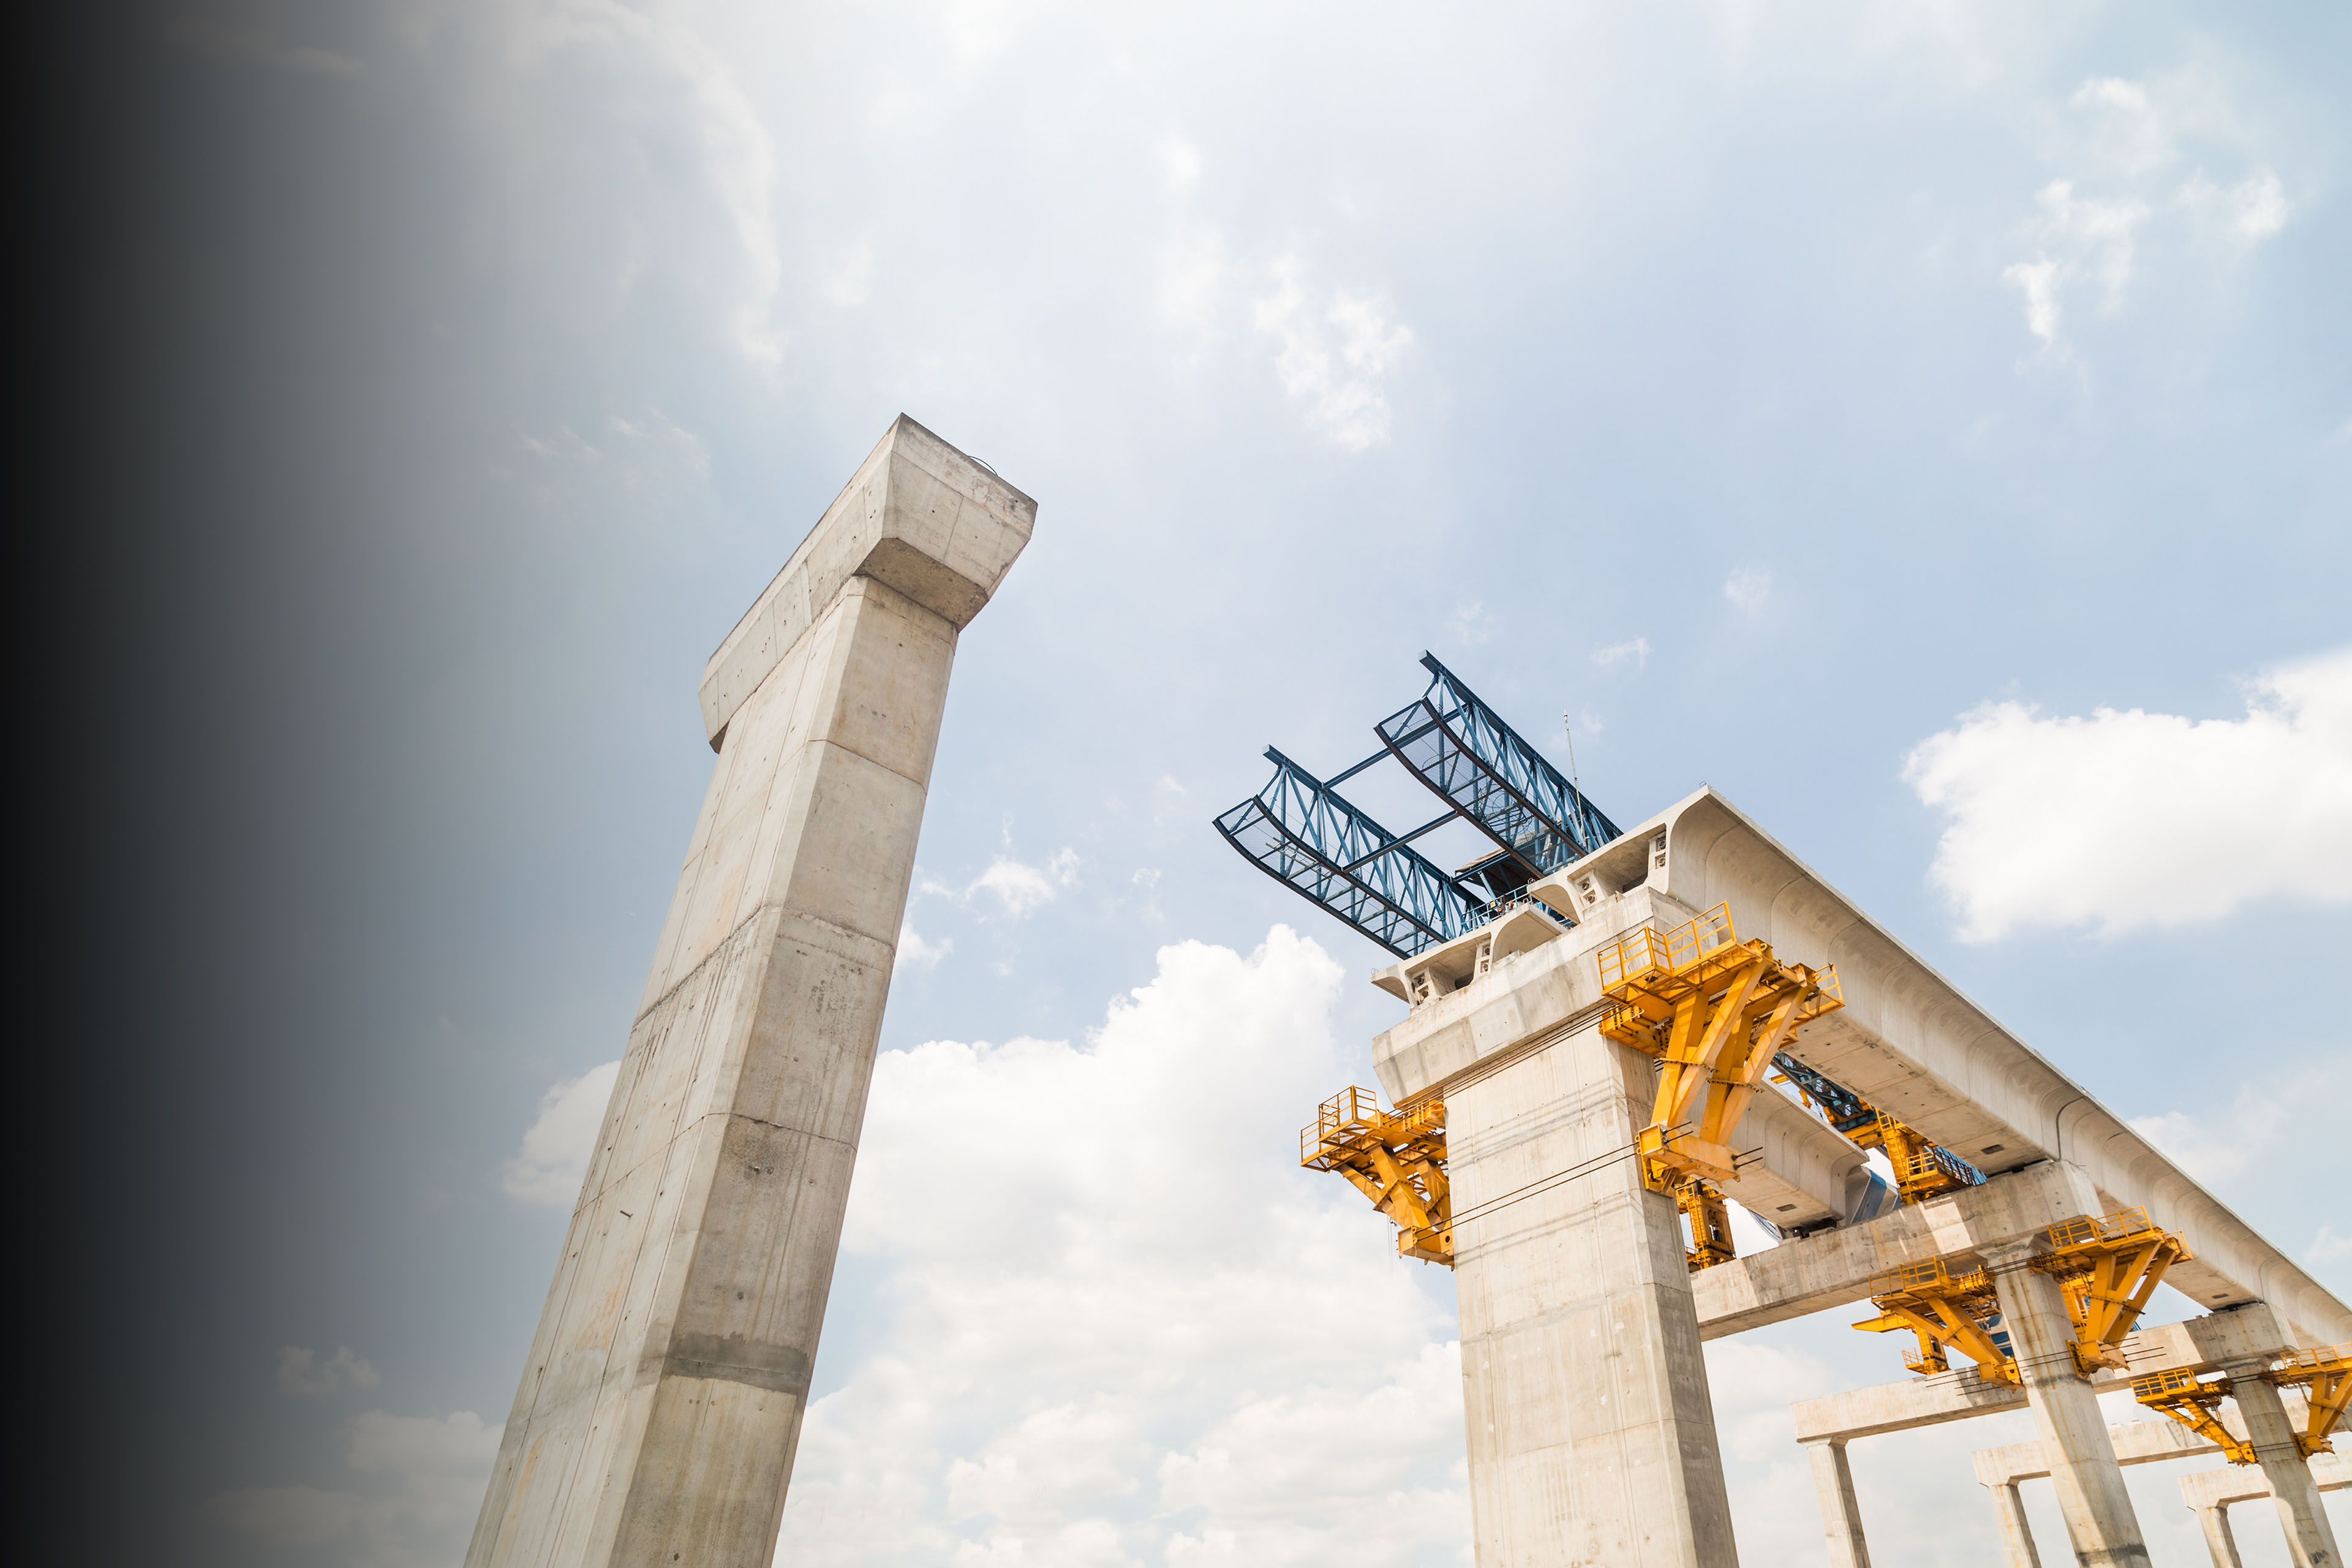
(1396, 1159)
(2326, 1377)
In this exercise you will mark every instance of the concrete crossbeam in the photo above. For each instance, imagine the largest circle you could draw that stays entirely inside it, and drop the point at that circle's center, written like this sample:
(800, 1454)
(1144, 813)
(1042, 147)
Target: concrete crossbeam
(1834, 1269)
(660, 1405)
(2210, 1493)
(2135, 1443)
(2201, 1344)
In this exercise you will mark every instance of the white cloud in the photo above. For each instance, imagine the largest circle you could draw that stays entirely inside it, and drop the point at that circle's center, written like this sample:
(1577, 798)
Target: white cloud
(1637, 649)
(914, 953)
(420, 1481)
(2128, 820)
(1019, 886)
(2329, 1248)
(1471, 623)
(2220, 1142)
(2132, 140)
(1748, 587)
(300, 1375)
(553, 1158)
(1148, 1336)
(1333, 355)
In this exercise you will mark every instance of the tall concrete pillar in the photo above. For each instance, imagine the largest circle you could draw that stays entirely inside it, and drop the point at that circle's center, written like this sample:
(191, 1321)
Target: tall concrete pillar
(1592, 1435)
(2018, 1550)
(2310, 1538)
(1840, 1509)
(2219, 1543)
(663, 1395)
(2100, 1522)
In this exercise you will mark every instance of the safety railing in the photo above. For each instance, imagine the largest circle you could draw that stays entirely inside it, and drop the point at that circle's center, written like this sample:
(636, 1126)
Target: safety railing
(2120, 1225)
(1647, 950)
(1354, 1115)
(1931, 1277)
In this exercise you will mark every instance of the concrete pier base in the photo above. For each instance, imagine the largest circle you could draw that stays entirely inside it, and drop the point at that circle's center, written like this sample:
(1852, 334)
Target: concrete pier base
(1840, 1509)
(1592, 1436)
(2100, 1524)
(662, 1398)
(2310, 1538)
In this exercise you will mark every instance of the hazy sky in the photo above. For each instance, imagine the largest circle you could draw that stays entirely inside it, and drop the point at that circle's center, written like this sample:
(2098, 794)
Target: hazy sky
(1931, 424)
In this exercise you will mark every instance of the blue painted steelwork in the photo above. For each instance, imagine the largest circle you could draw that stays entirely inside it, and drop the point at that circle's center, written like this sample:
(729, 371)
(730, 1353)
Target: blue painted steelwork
(1298, 831)
(1462, 749)
(1848, 1112)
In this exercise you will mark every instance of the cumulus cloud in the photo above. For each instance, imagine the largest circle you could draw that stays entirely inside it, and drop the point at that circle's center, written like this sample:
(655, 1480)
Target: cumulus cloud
(301, 1376)
(553, 1159)
(1018, 887)
(417, 1483)
(2220, 1141)
(2128, 820)
(914, 953)
(2134, 143)
(1333, 354)
(1637, 649)
(1148, 1336)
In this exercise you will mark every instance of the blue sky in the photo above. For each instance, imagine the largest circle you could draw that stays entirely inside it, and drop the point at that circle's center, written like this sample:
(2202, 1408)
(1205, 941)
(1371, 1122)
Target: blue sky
(1931, 426)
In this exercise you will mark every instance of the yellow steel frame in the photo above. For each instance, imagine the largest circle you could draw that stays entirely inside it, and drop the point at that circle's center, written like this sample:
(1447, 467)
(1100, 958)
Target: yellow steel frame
(2196, 1404)
(1947, 1312)
(1714, 1011)
(1397, 1160)
(2108, 1269)
(2326, 1377)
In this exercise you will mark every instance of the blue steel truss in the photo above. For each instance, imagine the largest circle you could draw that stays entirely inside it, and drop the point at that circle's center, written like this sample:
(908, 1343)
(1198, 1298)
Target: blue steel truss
(1847, 1110)
(1299, 832)
(1462, 749)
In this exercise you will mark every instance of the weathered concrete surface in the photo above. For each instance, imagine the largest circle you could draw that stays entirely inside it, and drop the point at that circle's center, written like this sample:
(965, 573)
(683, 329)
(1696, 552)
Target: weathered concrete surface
(2017, 1547)
(662, 1399)
(1840, 1509)
(2310, 1538)
(1908, 1041)
(1834, 1269)
(2201, 1344)
(2133, 1442)
(2210, 1493)
(1592, 1436)
(2100, 1524)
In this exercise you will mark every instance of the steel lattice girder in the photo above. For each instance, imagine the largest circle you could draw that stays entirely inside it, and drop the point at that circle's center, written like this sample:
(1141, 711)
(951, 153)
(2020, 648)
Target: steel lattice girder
(1462, 749)
(1301, 833)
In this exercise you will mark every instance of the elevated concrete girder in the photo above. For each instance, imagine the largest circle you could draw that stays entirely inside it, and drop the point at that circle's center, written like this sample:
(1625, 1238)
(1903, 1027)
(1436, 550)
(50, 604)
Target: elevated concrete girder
(1908, 1041)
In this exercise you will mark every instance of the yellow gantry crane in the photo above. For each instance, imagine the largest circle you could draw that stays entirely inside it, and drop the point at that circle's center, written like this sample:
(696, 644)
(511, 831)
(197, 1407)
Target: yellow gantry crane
(1397, 1159)
(1714, 1012)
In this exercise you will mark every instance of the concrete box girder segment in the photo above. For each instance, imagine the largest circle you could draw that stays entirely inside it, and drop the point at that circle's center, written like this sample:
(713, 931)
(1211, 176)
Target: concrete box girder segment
(1907, 1040)
(662, 1399)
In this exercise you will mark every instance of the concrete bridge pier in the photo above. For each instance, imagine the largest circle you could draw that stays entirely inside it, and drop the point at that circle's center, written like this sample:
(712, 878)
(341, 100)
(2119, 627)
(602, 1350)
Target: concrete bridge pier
(2100, 1522)
(1591, 1433)
(2310, 1538)
(2017, 1547)
(1840, 1509)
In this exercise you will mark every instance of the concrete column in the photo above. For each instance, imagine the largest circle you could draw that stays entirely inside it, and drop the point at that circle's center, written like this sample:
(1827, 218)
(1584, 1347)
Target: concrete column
(1592, 1436)
(2016, 1530)
(662, 1400)
(1840, 1509)
(2100, 1522)
(2310, 1538)
(2219, 1541)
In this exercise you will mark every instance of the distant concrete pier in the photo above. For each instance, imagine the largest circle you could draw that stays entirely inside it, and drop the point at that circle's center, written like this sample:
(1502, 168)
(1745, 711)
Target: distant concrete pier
(662, 1400)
